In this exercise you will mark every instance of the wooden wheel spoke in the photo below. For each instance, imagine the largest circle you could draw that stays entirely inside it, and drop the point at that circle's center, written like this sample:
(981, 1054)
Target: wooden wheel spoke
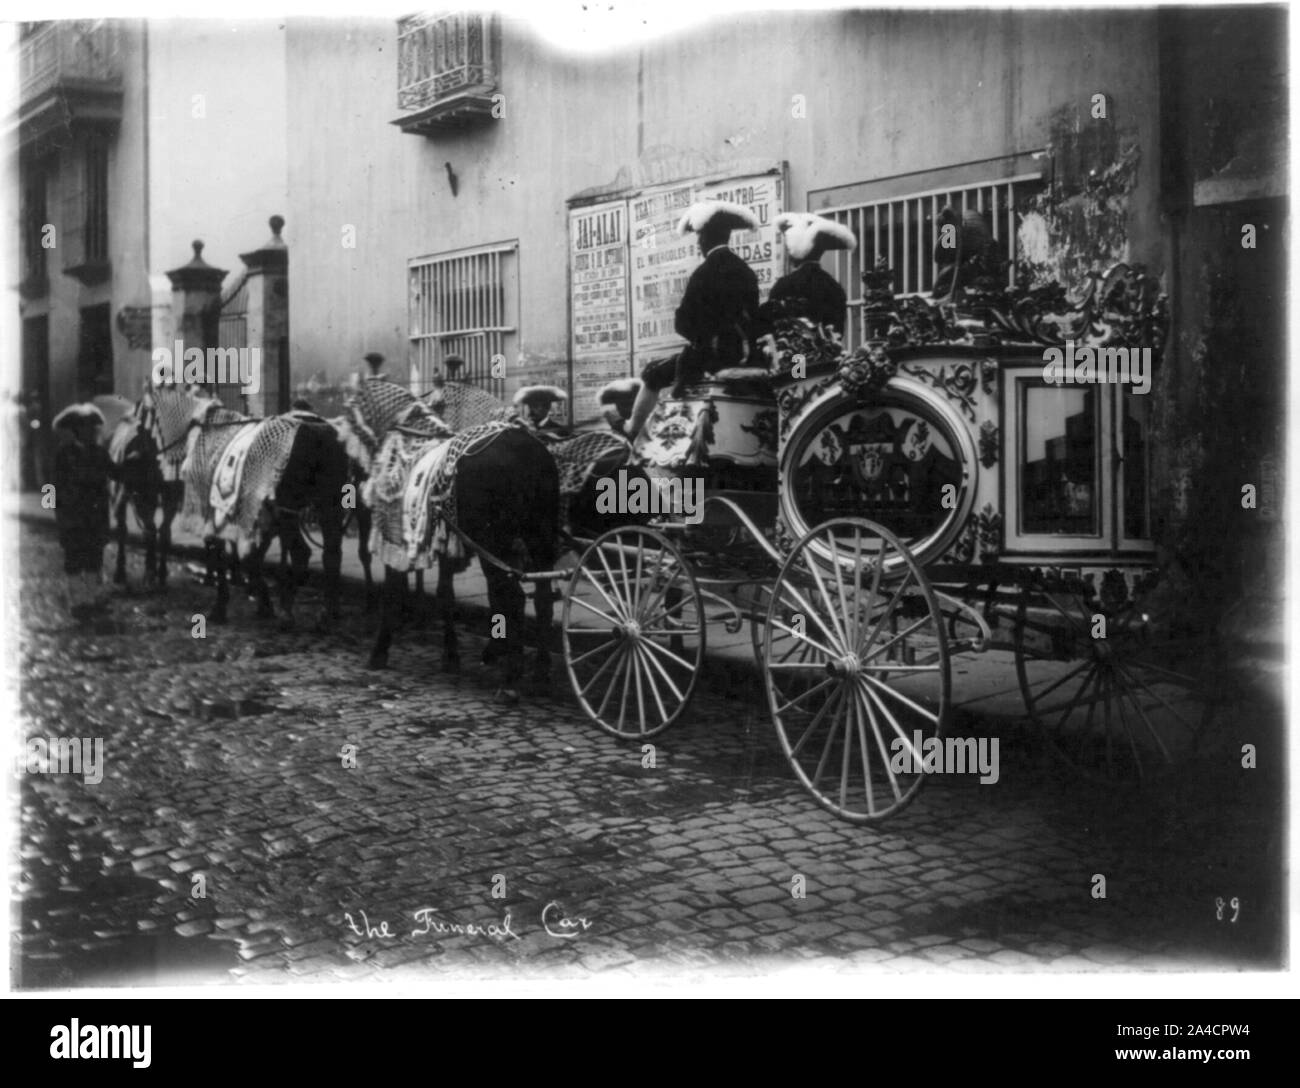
(1072, 704)
(650, 644)
(830, 736)
(1064, 679)
(908, 742)
(627, 677)
(812, 725)
(638, 667)
(894, 638)
(881, 746)
(847, 758)
(663, 672)
(813, 643)
(1134, 678)
(834, 605)
(804, 608)
(1128, 733)
(1076, 622)
(621, 605)
(914, 706)
(820, 686)
(889, 609)
(618, 612)
(1127, 692)
(621, 659)
(603, 646)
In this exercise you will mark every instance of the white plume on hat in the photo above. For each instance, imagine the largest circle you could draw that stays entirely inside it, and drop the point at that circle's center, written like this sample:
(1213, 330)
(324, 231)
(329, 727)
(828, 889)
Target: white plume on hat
(807, 235)
(539, 392)
(620, 387)
(74, 413)
(717, 213)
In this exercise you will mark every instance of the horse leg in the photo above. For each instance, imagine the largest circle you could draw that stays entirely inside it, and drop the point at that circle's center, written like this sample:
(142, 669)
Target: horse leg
(150, 543)
(236, 567)
(119, 572)
(544, 608)
(389, 601)
(506, 599)
(447, 609)
(331, 527)
(256, 564)
(216, 551)
(363, 552)
(420, 609)
(170, 504)
(299, 554)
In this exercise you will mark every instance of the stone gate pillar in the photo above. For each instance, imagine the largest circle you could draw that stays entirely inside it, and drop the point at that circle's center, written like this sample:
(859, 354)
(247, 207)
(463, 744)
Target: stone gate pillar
(268, 319)
(196, 303)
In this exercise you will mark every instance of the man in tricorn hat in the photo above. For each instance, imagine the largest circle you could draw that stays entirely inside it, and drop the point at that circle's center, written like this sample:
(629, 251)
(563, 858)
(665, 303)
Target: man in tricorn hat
(375, 362)
(535, 403)
(808, 290)
(717, 311)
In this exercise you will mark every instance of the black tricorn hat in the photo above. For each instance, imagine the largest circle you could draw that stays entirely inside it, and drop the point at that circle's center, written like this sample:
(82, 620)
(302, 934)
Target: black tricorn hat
(374, 358)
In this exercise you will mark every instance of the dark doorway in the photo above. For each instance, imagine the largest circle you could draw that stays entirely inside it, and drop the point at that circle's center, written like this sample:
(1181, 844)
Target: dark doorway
(35, 417)
(95, 356)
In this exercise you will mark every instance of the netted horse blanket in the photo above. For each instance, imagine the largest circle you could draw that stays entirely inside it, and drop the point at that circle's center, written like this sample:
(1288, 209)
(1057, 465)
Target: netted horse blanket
(376, 407)
(576, 457)
(226, 487)
(411, 494)
(167, 410)
(463, 406)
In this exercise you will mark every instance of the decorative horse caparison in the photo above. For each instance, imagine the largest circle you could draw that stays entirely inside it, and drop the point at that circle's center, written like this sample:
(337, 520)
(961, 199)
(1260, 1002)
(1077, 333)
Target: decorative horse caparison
(280, 465)
(504, 491)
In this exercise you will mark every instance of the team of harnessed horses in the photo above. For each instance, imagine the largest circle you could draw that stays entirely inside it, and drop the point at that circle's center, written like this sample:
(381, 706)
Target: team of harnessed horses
(498, 487)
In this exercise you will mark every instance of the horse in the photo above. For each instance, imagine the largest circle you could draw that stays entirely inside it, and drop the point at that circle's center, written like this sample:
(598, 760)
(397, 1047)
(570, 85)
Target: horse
(139, 487)
(292, 461)
(150, 479)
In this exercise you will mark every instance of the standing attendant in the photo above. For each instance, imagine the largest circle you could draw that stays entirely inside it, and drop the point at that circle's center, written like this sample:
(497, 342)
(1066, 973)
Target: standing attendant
(717, 311)
(82, 470)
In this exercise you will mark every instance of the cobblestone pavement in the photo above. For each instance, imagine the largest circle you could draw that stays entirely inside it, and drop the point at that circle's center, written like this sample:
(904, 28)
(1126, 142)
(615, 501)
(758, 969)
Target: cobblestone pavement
(222, 760)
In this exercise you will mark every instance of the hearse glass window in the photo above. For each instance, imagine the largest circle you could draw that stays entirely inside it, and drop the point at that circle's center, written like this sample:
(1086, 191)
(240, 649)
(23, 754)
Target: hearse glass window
(1136, 452)
(1058, 461)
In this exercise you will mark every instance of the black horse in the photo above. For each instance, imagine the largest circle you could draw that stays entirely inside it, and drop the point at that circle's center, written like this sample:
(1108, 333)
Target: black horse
(507, 504)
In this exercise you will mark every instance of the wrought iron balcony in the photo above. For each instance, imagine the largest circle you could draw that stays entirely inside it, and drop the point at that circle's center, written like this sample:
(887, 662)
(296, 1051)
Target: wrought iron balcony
(71, 73)
(446, 71)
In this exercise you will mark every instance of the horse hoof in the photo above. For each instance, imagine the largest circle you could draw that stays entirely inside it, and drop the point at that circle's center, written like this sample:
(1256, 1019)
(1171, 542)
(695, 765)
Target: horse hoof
(377, 661)
(265, 612)
(287, 625)
(507, 696)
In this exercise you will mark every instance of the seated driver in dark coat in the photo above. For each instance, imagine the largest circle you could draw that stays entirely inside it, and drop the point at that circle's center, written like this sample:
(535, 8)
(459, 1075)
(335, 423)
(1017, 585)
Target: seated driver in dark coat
(808, 290)
(717, 312)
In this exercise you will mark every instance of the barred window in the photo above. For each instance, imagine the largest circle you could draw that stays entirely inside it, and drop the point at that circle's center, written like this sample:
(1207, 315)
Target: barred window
(896, 218)
(464, 303)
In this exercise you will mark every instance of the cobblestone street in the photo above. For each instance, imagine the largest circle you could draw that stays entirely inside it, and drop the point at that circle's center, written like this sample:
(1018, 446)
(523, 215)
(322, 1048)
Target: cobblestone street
(551, 845)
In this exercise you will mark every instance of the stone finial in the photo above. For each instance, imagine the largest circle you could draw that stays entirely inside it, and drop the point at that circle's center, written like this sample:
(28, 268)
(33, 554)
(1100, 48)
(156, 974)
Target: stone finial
(197, 274)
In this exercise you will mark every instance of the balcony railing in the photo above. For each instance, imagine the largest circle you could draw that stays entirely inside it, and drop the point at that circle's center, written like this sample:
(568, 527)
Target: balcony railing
(73, 51)
(446, 70)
